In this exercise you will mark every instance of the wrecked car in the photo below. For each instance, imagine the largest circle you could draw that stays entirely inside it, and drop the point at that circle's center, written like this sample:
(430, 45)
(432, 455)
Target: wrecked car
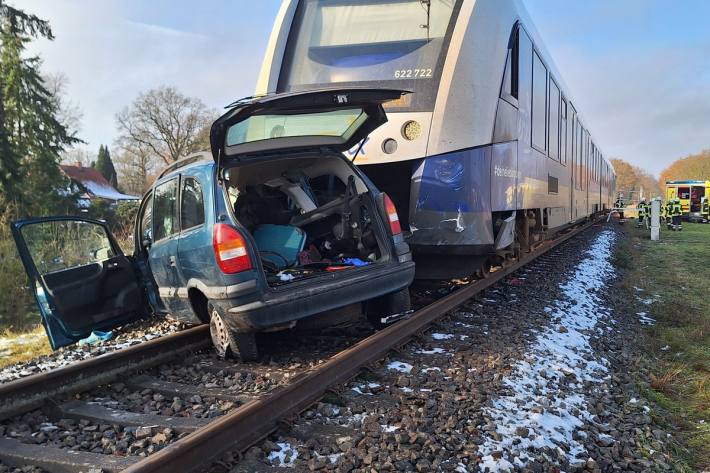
(273, 228)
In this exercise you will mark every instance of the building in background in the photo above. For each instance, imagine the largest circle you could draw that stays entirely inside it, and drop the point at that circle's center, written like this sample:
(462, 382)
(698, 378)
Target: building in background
(91, 185)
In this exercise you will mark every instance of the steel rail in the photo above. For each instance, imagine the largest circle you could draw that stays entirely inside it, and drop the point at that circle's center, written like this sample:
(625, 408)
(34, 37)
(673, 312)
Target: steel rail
(253, 421)
(32, 391)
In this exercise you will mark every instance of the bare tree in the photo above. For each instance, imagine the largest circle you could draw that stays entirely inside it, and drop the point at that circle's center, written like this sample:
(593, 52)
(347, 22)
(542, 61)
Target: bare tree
(69, 113)
(135, 165)
(165, 123)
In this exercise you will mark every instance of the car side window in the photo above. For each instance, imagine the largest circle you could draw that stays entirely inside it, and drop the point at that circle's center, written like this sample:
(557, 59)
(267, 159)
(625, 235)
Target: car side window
(65, 244)
(192, 204)
(165, 210)
(146, 221)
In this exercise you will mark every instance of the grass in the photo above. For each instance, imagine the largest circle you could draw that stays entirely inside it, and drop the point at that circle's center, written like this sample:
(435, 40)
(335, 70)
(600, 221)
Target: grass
(677, 269)
(17, 347)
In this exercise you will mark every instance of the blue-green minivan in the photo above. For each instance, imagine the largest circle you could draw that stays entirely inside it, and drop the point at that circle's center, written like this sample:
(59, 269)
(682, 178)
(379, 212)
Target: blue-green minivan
(272, 228)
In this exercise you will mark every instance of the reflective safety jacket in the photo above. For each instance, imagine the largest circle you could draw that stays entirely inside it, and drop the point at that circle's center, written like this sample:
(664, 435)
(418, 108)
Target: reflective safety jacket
(676, 208)
(643, 209)
(705, 206)
(619, 204)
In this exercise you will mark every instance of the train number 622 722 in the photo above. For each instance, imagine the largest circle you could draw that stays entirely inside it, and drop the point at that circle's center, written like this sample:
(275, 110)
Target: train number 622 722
(412, 73)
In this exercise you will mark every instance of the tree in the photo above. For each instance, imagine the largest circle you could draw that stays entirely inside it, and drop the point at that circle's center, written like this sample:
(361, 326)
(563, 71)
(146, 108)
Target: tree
(105, 166)
(31, 134)
(695, 166)
(166, 123)
(135, 165)
(634, 178)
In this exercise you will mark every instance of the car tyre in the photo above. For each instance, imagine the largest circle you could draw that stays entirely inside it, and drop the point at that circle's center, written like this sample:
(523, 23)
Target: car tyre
(246, 345)
(228, 343)
(389, 304)
(221, 335)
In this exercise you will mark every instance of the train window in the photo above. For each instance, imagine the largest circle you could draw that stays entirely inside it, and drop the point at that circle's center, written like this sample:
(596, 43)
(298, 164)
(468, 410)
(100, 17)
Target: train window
(539, 103)
(572, 121)
(510, 78)
(563, 131)
(554, 122)
(351, 42)
(525, 54)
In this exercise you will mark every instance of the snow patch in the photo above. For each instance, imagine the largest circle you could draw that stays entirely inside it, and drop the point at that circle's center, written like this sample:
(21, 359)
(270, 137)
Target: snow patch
(544, 391)
(284, 457)
(400, 366)
(442, 336)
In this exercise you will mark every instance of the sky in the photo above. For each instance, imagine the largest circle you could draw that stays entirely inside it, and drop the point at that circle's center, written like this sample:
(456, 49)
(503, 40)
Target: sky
(639, 70)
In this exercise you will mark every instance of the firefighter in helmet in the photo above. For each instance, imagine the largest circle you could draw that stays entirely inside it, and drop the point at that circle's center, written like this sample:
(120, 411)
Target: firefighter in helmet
(705, 209)
(642, 208)
(619, 206)
(676, 212)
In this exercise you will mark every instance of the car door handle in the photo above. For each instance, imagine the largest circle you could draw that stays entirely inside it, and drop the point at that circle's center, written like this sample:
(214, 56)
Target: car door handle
(172, 261)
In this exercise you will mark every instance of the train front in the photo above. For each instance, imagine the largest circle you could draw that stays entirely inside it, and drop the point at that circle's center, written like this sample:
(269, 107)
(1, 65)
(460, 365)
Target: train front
(401, 44)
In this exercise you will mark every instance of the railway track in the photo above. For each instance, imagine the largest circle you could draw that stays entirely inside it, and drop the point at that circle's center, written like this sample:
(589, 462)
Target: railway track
(192, 444)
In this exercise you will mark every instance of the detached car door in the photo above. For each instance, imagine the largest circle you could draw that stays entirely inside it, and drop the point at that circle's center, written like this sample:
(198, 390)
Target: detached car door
(79, 277)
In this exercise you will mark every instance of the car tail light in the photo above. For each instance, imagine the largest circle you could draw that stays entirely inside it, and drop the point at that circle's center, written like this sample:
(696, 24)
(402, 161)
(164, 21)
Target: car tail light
(230, 249)
(392, 216)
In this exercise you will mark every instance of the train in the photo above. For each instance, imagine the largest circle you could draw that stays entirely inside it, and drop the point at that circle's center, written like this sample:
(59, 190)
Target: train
(488, 155)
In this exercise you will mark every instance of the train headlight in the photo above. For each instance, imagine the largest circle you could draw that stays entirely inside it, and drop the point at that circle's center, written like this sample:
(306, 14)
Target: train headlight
(411, 130)
(389, 146)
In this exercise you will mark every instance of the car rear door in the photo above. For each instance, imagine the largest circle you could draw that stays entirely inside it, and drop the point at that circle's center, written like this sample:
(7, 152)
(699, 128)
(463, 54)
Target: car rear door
(78, 275)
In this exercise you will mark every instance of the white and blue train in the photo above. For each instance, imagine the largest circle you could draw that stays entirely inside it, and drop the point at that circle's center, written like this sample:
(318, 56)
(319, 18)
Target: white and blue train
(487, 155)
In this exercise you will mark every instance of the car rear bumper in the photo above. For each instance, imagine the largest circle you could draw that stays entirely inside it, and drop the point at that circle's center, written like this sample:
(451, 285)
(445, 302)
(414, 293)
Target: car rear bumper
(280, 308)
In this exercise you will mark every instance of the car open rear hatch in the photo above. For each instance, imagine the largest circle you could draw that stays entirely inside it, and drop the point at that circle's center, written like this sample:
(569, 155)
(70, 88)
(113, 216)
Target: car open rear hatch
(336, 119)
(306, 208)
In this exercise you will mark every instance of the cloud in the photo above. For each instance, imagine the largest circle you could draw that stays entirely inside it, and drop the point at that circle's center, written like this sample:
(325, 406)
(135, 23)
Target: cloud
(112, 50)
(649, 107)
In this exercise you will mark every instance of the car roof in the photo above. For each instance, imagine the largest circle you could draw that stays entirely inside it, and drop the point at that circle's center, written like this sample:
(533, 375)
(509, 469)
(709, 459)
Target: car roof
(196, 159)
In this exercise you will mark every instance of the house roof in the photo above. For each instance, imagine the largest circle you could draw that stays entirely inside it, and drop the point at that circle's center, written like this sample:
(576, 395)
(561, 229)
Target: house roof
(95, 183)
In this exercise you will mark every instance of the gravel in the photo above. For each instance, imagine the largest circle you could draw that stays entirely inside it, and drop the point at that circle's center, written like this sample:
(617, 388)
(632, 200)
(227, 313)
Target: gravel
(128, 335)
(537, 374)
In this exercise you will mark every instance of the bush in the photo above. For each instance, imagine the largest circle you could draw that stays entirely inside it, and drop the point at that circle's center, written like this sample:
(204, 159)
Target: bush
(17, 309)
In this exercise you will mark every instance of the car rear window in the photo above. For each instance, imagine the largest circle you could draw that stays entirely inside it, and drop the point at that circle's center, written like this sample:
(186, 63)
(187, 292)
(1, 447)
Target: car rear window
(341, 122)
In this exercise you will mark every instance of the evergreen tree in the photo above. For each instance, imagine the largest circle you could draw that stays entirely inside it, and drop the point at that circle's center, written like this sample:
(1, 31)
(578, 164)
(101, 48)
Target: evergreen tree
(31, 136)
(104, 164)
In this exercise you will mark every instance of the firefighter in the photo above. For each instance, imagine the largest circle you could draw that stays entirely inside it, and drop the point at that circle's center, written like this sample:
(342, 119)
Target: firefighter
(641, 208)
(647, 214)
(705, 209)
(619, 206)
(676, 212)
(667, 213)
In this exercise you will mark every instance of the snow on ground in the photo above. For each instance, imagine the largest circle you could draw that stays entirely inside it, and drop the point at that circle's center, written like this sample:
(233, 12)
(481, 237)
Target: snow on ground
(284, 456)
(545, 401)
(442, 336)
(400, 366)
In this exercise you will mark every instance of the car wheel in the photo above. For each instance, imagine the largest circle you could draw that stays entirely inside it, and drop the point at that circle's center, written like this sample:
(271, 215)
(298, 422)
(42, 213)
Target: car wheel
(390, 304)
(246, 345)
(220, 334)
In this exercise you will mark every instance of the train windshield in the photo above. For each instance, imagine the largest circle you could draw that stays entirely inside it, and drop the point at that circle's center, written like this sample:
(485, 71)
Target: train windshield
(368, 41)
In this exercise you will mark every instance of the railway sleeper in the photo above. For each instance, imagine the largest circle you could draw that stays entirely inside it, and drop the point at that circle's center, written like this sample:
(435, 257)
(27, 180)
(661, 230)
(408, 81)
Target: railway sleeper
(186, 391)
(60, 460)
(108, 415)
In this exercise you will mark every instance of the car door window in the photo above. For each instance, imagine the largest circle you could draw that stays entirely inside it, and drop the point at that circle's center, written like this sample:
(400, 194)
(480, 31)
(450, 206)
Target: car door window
(192, 206)
(165, 210)
(146, 220)
(59, 245)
